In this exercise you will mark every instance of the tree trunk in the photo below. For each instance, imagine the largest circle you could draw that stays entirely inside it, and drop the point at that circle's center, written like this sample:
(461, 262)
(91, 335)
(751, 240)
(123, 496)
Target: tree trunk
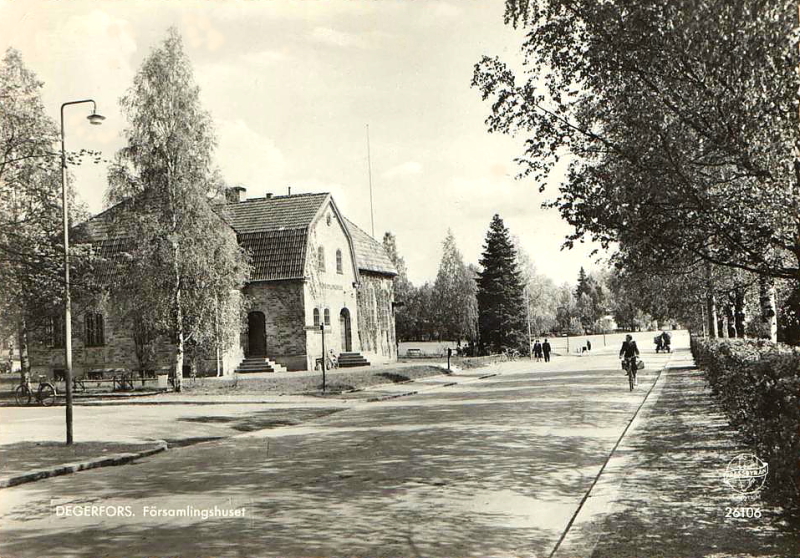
(722, 326)
(22, 341)
(769, 317)
(178, 324)
(711, 314)
(738, 312)
(730, 320)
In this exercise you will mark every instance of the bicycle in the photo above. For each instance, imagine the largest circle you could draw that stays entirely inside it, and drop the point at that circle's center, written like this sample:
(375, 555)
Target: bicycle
(45, 395)
(629, 365)
(331, 361)
(509, 355)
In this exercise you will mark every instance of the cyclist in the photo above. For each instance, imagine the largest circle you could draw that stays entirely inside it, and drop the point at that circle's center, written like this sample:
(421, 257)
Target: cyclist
(628, 354)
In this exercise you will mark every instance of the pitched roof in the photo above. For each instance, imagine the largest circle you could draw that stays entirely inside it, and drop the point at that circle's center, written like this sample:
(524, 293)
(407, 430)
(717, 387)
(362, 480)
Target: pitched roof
(275, 232)
(276, 254)
(370, 254)
(274, 213)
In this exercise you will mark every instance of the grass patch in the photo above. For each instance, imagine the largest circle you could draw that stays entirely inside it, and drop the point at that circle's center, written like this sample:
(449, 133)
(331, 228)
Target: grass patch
(304, 383)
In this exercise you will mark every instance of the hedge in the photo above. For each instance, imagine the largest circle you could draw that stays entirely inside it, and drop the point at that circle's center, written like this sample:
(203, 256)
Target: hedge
(758, 386)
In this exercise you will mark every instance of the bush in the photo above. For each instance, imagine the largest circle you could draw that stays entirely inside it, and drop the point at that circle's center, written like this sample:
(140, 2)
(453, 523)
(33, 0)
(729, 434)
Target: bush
(758, 385)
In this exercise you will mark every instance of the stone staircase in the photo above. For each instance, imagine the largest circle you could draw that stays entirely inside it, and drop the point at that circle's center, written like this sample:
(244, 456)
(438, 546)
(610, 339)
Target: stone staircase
(251, 365)
(350, 360)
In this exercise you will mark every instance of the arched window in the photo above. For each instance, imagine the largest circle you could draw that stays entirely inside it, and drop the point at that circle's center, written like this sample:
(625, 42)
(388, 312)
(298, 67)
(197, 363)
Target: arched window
(321, 258)
(316, 317)
(95, 335)
(327, 316)
(339, 262)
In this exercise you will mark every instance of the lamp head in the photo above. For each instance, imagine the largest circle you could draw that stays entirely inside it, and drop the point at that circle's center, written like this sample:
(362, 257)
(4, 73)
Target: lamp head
(95, 119)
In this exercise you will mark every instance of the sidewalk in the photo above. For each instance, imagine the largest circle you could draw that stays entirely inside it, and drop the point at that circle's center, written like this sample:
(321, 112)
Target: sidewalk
(662, 493)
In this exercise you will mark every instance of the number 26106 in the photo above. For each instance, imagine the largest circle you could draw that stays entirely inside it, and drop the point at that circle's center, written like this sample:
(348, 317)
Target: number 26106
(743, 512)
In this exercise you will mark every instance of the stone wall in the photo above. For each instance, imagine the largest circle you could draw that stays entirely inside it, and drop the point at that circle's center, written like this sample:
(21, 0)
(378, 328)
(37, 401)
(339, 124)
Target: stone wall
(282, 303)
(118, 350)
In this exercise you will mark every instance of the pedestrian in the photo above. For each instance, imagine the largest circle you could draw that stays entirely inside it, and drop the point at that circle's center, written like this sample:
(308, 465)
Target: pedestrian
(546, 350)
(537, 351)
(588, 345)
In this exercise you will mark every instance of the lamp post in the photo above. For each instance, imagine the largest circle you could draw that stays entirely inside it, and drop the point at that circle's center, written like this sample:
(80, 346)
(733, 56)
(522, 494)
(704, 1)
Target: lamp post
(95, 119)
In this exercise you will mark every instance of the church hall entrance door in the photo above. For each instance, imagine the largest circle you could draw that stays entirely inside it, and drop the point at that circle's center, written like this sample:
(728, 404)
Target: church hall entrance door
(256, 334)
(344, 327)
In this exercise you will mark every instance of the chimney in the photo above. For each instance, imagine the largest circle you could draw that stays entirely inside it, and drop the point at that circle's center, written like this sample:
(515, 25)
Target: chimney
(290, 190)
(269, 195)
(235, 194)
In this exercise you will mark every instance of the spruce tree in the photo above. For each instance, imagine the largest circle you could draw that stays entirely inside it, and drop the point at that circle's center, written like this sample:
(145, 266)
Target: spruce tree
(501, 302)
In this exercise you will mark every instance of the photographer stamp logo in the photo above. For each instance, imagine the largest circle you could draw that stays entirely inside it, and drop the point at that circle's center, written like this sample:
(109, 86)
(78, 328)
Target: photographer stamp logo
(746, 474)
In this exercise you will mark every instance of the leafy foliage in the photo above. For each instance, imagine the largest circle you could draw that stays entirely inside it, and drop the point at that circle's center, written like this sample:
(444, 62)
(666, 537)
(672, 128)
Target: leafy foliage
(758, 385)
(180, 266)
(31, 245)
(455, 294)
(679, 120)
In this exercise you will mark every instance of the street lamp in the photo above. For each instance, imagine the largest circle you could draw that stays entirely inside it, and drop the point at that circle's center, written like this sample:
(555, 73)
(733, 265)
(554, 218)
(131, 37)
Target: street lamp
(96, 120)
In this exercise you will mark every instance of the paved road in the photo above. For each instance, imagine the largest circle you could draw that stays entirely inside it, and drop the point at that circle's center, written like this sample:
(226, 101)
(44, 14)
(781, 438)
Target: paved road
(490, 468)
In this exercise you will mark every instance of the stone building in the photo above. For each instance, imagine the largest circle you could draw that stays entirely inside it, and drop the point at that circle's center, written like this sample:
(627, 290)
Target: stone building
(314, 273)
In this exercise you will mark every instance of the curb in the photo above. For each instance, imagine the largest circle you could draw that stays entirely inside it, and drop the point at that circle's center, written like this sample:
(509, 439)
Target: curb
(69, 468)
(407, 393)
(583, 515)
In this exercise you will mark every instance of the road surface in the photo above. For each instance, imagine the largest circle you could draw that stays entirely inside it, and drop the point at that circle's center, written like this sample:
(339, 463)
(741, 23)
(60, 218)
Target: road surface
(489, 468)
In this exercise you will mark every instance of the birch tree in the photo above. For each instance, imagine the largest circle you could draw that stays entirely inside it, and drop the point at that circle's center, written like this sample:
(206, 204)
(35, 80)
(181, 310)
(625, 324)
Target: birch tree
(31, 247)
(179, 264)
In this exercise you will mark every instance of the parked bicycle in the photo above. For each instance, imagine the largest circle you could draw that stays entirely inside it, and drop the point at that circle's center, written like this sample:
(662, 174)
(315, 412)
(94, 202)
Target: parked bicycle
(45, 395)
(331, 361)
(509, 355)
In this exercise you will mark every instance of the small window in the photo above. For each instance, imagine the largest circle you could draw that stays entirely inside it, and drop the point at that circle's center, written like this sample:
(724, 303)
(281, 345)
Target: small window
(316, 317)
(55, 332)
(95, 336)
(327, 316)
(328, 219)
(339, 262)
(321, 258)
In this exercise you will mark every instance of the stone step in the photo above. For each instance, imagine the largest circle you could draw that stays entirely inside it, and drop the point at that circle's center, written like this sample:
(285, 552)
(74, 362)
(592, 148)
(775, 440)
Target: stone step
(351, 360)
(253, 365)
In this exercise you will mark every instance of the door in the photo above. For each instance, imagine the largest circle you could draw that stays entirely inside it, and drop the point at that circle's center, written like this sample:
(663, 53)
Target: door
(256, 334)
(344, 327)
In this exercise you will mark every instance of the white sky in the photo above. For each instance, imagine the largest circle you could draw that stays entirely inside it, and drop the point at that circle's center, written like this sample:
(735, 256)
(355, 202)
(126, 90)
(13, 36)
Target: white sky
(291, 86)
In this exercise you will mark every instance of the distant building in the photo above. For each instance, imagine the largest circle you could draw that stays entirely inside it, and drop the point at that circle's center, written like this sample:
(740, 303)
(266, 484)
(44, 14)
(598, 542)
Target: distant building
(311, 267)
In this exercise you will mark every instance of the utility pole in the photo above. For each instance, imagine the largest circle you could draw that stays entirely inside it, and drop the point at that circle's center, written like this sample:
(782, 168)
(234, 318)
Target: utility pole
(369, 170)
(322, 329)
(528, 314)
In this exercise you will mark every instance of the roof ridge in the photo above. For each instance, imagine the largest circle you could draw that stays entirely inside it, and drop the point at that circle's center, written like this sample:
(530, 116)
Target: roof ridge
(278, 197)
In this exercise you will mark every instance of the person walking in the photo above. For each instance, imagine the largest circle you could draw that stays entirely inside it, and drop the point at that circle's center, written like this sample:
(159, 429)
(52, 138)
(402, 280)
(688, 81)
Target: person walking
(546, 350)
(537, 351)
